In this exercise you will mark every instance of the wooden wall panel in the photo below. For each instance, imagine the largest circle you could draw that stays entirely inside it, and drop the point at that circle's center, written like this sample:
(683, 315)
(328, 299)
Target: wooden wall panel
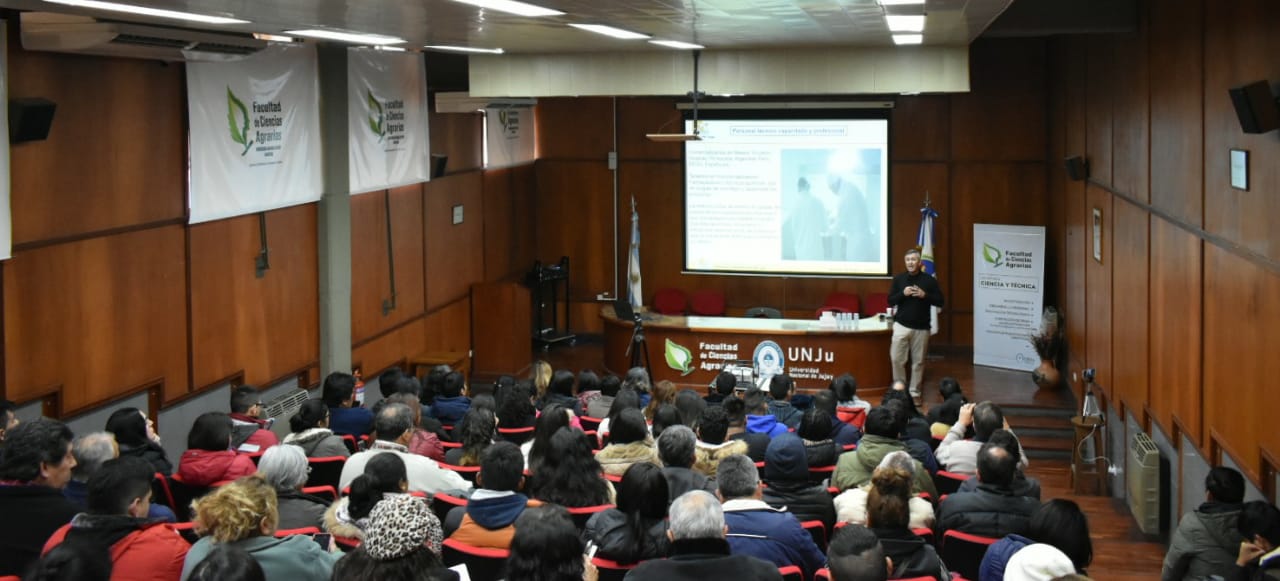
(1241, 42)
(1131, 124)
(1177, 136)
(1002, 118)
(917, 132)
(577, 129)
(1075, 226)
(454, 252)
(391, 348)
(638, 116)
(449, 328)
(1129, 263)
(909, 184)
(265, 326)
(97, 316)
(989, 193)
(1098, 284)
(458, 135)
(370, 275)
(510, 230)
(125, 137)
(1241, 310)
(1056, 271)
(574, 213)
(1099, 92)
(1175, 328)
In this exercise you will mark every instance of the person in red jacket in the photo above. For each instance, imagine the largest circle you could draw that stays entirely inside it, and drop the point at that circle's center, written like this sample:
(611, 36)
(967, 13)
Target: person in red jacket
(209, 457)
(119, 497)
(249, 433)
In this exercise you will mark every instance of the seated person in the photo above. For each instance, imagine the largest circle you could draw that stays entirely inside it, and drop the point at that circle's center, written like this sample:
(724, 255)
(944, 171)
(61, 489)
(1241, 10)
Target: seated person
(642, 508)
(384, 476)
(402, 542)
(677, 450)
(666, 416)
(136, 436)
(588, 389)
(475, 433)
(1059, 523)
(956, 454)
(552, 419)
(1207, 541)
(757, 529)
(394, 426)
(914, 433)
(698, 547)
(855, 554)
(888, 516)
(451, 404)
(851, 505)
(91, 451)
(119, 495)
(881, 438)
(599, 406)
(759, 420)
(781, 388)
(1022, 485)
(310, 431)
(786, 471)
(723, 387)
(424, 442)
(249, 433)
(948, 412)
(993, 509)
(568, 474)
(35, 465)
(346, 417)
(560, 391)
(629, 442)
(488, 519)
(285, 469)
(916, 427)
(209, 457)
(516, 409)
(8, 417)
(1259, 556)
(713, 426)
(842, 433)
(845, 388)
(815, 430)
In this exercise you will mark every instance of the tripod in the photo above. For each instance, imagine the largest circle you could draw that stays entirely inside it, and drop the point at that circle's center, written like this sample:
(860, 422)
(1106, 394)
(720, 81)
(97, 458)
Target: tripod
(639, 348)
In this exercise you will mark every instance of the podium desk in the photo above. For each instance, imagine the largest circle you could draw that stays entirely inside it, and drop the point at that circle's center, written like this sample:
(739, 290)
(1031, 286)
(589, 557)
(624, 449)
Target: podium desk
(812, 354)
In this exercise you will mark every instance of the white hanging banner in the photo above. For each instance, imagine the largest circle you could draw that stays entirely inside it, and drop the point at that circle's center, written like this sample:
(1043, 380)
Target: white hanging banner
(1008, 294)
(255, 132)
(387, 121)
(510, 136)
(6, 224)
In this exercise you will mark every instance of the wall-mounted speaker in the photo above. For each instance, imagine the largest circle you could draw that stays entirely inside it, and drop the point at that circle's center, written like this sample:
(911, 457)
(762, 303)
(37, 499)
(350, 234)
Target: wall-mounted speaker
(1256, 107)
(1077, 168)
(438, 163)
(30, 119)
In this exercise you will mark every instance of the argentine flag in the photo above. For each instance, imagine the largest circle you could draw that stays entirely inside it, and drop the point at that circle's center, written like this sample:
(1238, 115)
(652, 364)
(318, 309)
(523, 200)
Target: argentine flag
(634, 294)
(925, 240)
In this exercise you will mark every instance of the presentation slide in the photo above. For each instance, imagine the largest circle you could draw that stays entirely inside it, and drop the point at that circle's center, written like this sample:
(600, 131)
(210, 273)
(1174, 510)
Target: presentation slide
(798, 196)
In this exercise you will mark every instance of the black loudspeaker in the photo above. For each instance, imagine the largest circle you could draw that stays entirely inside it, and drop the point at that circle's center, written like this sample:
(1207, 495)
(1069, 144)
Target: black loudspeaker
(1077, 168)
(1256, 107)
(30, 119)
(438, 163)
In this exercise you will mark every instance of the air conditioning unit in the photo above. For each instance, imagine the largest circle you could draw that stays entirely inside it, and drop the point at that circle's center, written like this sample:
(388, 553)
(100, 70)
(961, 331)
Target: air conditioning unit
(285, 406)
(1143, 483)
(47, 31)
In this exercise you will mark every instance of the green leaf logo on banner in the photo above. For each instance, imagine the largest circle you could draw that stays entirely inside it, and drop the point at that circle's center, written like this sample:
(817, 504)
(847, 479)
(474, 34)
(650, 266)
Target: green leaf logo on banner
(679, 358)
(991, 254)
(375, 115)
(240, 129)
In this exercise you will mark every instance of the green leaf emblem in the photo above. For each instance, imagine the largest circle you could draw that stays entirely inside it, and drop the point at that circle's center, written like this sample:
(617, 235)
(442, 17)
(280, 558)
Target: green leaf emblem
(991, 254)
(375, 115)
(679, 358)
(239, 127)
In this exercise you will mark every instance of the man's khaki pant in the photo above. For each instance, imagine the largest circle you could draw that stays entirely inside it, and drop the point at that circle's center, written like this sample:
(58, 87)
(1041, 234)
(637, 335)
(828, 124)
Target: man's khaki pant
(913, 342)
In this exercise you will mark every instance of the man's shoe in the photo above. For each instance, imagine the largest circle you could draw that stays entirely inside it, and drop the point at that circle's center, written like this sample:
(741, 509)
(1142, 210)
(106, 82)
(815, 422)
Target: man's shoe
(918, 400)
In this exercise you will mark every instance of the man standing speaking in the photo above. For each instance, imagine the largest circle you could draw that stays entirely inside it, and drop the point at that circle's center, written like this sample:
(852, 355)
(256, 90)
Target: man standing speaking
(912, 293)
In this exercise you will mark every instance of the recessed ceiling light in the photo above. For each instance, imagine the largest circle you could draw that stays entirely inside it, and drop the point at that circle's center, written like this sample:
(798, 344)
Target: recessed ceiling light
(145, 11)
(463, 49)
(513, 7)
(352, 37)
(611, 31)
(908, 38)
(905, 22)
(677, 44)
(899, 2)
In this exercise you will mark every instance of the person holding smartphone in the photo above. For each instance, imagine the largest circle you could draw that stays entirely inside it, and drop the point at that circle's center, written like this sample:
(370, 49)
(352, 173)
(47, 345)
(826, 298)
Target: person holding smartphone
(913, 293)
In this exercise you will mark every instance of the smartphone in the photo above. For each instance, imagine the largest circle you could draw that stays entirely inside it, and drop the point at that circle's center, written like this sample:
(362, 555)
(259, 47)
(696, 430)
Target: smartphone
(325, 540)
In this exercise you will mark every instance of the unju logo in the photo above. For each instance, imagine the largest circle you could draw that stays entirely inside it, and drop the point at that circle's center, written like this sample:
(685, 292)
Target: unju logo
(679, 358)
(376, 120)
(238, 121)
(992, 255)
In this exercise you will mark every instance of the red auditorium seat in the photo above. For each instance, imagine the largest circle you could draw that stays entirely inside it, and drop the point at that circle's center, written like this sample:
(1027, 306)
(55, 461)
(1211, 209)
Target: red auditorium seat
(669, 301)
(841, 302)
(875, 304)
(707, 302)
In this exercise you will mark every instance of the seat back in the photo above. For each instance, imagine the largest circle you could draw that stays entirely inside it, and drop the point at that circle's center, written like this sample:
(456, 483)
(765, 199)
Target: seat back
(823, 574)
(707, 302)
(875, 304)
(482, 564)
(948, 482)
(183, 494)
(582, 514)
(187, 530)
(963, 552)
(282, 533)
(160, 491)
(350, 442)
(518, 436)
(818, 531)
(791, 573)
(329, 493)
(846, 302)
(442, 503)
(820, 474)
(325, 471)
(669, 301)
(763, 313)
(611, 570)
(468, 472)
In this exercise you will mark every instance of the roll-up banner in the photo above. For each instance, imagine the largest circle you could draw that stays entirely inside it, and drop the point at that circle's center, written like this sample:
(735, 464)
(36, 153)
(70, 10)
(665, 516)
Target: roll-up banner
(1008, 294)
(387, 102)
(255, 132)
(510, 135)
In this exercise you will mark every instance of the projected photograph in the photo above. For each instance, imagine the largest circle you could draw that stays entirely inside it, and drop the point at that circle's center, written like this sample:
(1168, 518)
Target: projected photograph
(831, 205)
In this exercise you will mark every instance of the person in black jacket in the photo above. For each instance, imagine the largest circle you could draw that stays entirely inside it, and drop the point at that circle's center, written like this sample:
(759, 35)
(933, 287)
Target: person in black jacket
(786, 472)
(1259, 556)
(699, 550)
(677, 449)
(37, 464)
(913, 293)
(815, 430)
(888, 516)
(637, 529)
(952, 399)
(993, 510)
(136, 436)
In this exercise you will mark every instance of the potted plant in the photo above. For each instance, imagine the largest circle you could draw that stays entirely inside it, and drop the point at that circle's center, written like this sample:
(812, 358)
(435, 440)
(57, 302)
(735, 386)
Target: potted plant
(1048, 343)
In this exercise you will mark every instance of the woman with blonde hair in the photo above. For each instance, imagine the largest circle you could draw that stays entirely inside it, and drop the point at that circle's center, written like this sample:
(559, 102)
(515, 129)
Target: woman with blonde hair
(664, 392)
(541, 376)
(243, 514)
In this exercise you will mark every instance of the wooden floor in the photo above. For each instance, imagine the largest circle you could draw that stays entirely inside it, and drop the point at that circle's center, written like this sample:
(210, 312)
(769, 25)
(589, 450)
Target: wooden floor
(1121, 551)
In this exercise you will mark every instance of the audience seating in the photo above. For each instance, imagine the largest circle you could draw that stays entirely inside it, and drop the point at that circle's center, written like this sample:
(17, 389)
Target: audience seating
(582, 514)
(818, 531)
(669, 301)
(255, 456)
(329, 493)
(350, 442)
(819, 474)
(450, 445)
(589, 423)
(483, 564)
(280, 534)
(948, 482)
(188, 531)
(183, 494)
(611, 570)
(614, 478)
(442, 503)
(346, 544)
(842, 302)
(963, 552)
(707, 302)
(850, 447)
(763, 313)
(924, 533)
(160, 491)
(791, 573)
(854, 416)
(325, 471)
(875, 304)
(593, 439)
(10, 578)
(822, 573)
(517, 436)
(468, 472)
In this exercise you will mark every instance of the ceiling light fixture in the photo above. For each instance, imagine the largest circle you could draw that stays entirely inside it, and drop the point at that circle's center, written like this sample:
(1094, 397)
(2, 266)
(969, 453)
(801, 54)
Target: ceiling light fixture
(899, 2)
(273, 37)
(697, 55)
(908, 39)
(145, 11)
(611, 31)
(386, 48)
(677, 44)
(513, 7)
(905, 22)
(351, 37)
(463, 49)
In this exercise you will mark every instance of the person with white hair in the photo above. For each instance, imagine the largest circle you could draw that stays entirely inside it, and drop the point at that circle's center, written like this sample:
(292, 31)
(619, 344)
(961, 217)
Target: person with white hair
(699, 550)
(91, 451)
(285, 468)
(851, 505)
